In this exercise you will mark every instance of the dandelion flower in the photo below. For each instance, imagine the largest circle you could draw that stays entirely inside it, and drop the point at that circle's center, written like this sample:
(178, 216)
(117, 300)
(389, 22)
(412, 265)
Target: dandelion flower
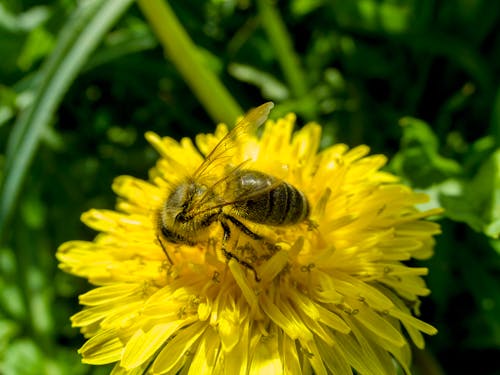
(332, 294)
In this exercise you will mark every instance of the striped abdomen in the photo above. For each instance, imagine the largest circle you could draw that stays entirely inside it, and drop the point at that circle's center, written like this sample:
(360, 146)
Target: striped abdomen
(264, 199)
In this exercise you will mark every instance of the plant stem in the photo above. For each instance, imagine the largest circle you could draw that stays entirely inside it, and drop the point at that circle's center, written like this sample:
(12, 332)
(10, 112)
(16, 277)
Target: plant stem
(183, 53)
(282, 44)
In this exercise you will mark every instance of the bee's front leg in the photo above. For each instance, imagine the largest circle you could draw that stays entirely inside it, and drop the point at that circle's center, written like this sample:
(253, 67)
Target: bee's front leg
(229, 255)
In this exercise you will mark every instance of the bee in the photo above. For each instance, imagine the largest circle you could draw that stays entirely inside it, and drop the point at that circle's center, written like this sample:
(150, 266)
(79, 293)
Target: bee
(200, 200)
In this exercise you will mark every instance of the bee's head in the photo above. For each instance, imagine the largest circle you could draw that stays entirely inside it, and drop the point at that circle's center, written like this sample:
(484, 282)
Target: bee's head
(176, 218)
(177, 204)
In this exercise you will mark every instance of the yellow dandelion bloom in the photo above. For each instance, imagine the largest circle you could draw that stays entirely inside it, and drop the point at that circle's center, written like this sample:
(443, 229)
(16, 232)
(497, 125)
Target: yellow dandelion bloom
(326, 295)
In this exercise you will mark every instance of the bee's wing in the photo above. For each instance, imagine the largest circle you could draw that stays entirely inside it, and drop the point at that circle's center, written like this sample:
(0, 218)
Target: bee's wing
(218, 187)
(228, 197)
(222, 151)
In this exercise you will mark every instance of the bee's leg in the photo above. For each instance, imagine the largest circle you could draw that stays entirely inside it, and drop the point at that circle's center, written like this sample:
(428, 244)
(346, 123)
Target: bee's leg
(164, 250)
(249, 233)
(229, 255)
(243, 228)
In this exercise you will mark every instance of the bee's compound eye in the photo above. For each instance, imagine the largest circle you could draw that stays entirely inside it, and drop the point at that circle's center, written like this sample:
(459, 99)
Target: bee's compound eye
(169, 235)
(181, 217)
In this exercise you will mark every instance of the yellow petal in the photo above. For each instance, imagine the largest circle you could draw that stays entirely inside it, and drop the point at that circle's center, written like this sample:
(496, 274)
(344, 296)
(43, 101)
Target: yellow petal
(334, 359)
(379, 326)
(143, 345)
(291, 360)
(109, 294)
(105, 347)
(205, 358)
(173, 354)
(280, 319)
(266, 357)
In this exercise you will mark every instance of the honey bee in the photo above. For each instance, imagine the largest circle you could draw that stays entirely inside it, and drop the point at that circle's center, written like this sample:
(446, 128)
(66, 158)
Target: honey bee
(199, 200)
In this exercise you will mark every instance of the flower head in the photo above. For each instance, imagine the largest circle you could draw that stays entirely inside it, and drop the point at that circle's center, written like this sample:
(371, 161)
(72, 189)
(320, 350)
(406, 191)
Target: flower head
(332, 292)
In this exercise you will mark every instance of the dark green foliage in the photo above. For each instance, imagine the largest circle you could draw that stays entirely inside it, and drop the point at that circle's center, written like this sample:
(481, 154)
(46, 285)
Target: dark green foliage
(417, 80)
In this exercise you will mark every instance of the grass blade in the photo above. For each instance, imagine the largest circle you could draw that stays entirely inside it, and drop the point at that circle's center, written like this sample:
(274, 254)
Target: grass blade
(78, 39)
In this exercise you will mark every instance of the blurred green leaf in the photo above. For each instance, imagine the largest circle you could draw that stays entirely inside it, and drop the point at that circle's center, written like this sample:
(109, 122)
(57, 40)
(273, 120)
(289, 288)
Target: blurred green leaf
(23, 357)
(40, 302)
(303, 7)
(33, 211)
(17, 36)
(25, 21)
(391, 17)
(7, 104)
(82, 33)
(270, 87)
(418, 159)
(477, 201)
(11, 295)
(495, 244)
(38, 44)
(8, 330)
(379, 16)
(132, 39)
(11, 300)
(478, 152)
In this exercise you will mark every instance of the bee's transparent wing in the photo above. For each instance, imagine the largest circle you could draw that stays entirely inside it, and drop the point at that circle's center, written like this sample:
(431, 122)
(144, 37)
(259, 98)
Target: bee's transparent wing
(219, 186)
(228, 198)
(221, 153)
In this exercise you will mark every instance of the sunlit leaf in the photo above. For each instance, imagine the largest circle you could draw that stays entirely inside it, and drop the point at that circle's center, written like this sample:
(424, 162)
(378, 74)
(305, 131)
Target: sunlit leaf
(38, 44)
(477, 202)
(418, 159)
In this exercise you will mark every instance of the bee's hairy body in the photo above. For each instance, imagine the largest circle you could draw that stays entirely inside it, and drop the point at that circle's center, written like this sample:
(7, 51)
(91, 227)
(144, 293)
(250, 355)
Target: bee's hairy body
(250, 195)
(275, 203)
(202, 199)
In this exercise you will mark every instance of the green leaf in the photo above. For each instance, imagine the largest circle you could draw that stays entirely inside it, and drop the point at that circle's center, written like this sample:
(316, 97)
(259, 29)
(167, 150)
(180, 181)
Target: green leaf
(23, 357)
(390, 17)
(270, 87)
(132, 39)
(80, 36)
(418, 159)
(38, 44)
(7, 104)
(11, 294)
(495, 244)
(8, 330)
(477, 202)
(302, 8)
(25, 21)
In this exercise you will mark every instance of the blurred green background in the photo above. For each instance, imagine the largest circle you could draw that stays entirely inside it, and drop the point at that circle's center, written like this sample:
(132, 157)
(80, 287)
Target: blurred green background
(80, 83)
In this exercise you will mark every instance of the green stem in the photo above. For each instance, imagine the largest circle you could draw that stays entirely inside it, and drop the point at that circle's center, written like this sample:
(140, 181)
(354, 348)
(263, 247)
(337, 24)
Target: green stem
(184, 55)
(282, 44)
